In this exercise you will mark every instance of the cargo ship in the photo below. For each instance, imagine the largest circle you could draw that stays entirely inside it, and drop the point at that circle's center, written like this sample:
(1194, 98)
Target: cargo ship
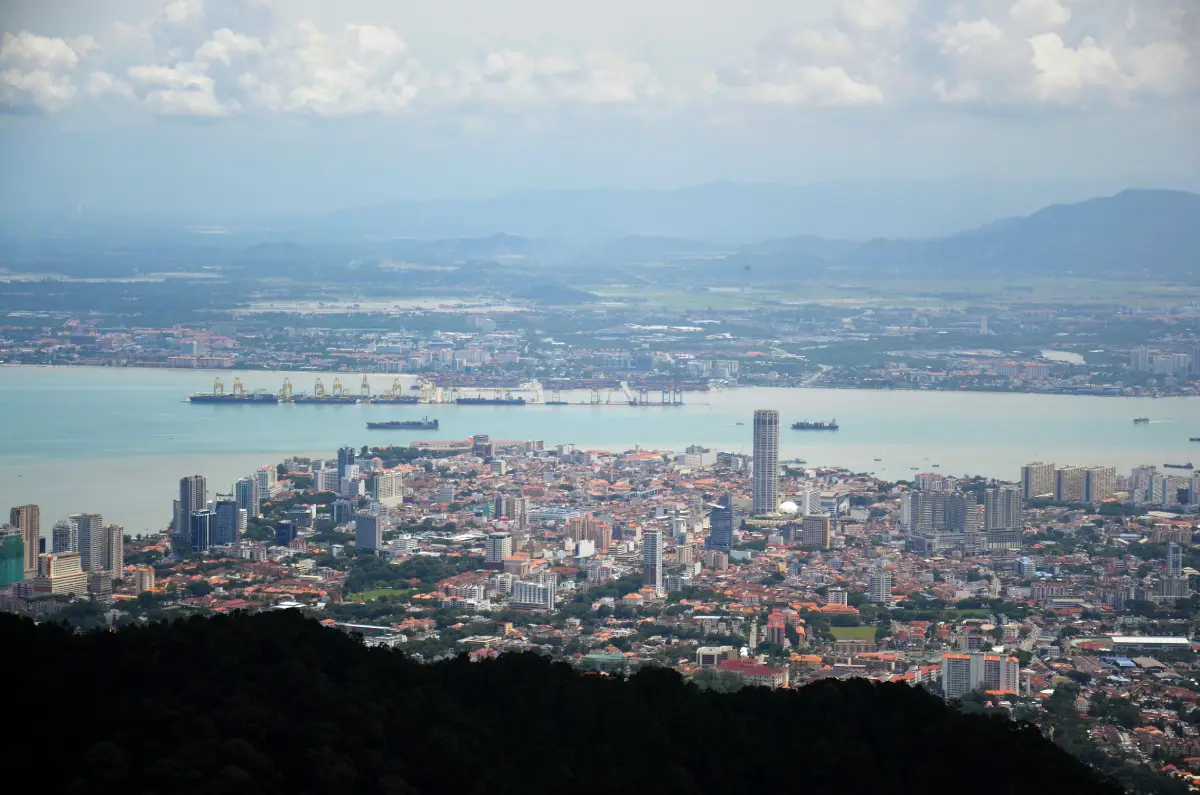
(557, 403)
(423, 424)
(1188, 465)
(815, 426)
(252, 398)
(395, 399)
(482, 401)
(1194, 439)
(326, 400)
(1141, 420)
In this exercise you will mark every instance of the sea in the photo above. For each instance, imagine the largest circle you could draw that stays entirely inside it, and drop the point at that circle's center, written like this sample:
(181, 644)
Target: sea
(117, 440)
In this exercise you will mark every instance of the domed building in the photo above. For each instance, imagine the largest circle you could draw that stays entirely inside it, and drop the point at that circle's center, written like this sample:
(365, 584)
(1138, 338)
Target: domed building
(788, 508)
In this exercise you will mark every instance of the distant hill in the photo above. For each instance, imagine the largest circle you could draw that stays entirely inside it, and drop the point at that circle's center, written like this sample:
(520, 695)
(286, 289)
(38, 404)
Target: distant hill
(276, 703)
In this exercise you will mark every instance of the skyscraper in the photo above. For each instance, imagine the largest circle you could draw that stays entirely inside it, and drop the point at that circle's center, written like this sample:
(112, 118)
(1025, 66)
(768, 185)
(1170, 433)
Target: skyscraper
(499, 546)
(113, 551)
(652, 560)
(368, 532)
(720, 519)
(193, 497)
(1139, 359)
(1174, 560)
(227, 527)
(1068, 484)
(202, 527)
(28, 519)
(879, 587)
(1099, 483)
(1001, 508)
(63, 538)
(90, 530)
(345, 459)
(766, 461)
(245, 492)
(1037, 479)
(12, 557)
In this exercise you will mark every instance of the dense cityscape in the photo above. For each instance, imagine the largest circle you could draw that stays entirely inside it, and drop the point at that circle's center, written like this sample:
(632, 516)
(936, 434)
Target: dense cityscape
(1063, 597)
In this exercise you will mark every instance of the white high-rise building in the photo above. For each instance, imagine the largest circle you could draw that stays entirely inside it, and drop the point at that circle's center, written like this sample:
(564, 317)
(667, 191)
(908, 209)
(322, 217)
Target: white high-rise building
(1037, 480)
(962, 673)
(1001, 508)
(879, 589)
(265, 478)
(1068, 484)
(652, 560)
(245, 492)
(533, 594)
(64, 537)
(1099, 483)
(89, 528)
(499, 546)
(766, 461)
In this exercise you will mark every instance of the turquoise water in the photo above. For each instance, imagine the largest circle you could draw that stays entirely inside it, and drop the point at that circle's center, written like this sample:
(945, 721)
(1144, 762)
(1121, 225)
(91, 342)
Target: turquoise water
(118, 440)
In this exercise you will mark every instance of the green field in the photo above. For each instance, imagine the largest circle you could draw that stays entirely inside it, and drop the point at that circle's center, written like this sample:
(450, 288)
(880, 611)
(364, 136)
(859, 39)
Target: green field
(853, 633)
(367, 596)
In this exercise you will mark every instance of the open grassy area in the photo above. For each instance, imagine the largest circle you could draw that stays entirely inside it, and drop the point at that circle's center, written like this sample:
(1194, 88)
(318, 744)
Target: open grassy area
(853, 633)
(367, 596)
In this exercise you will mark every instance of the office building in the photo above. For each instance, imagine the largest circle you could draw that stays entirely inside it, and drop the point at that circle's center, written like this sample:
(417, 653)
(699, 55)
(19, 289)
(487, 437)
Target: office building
(879, 589)
(202, 530)
(60, 573)
(815, 531)
(229, 522)
(346, 458)
(712, 656)
(720, 519)
(533, 595)
(144, 579)
(962, 673)
(285, 534)
(652, 560)
(63, 537)
(89, 529)
(245, 493)
(388, 488)
(193, 496)
(265, 479)
(28, 519)
(1037, 480)
(342, 512)
(1174, 560)
(502, 507)
(12, 557)
(499, 546)
(766, 461)
(368, 532)
(1068, 484)
(1001, 508)
(1099, 483)
(114, 550)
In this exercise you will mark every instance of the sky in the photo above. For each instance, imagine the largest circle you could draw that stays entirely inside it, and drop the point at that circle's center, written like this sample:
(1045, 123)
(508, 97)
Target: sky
(265, 106)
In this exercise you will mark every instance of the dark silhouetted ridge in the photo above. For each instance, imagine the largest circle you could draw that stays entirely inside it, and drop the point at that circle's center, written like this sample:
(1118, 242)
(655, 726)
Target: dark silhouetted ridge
(275, 703)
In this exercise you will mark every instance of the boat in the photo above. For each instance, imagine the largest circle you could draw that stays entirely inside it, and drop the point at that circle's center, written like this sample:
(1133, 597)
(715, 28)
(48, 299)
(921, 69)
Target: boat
(395, 399)
(557, 403)
(327, 400)
(423, 424)
(482, 401)
(914, 469)
(815, 426)
(935, 466)
(241, 398)
(1188, 465)
(1141, 420)
(1194, 439)
(878, 459)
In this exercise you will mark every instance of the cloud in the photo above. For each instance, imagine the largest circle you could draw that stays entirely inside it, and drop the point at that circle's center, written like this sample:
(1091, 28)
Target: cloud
(964, 38)
(37, 90)
(225, 46)
(103, 84)
(1042, 13)
(41, 52)
(1063, 72)
(794, 87)
(181, 12)
(181, 90)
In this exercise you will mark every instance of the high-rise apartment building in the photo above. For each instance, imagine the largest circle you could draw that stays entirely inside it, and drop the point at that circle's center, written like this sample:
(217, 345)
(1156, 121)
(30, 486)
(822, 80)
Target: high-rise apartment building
(814, 531)
(879, 589)
(1068, 484)
(720, 519)
(499, 546)
(61, 573)
(1174, 560)
(1001, 508)
(12, 557)
(368, 531)
(265, 478)
(202, 529)
(114, 550)
(28, 519)
(144, 579)
(346, 458)
(89, 529)
(1099, 483)
(1037, 480)
(766, 461)
(193, 497)
(245, 493)
(962, 673)
(63, 537)
(389, 487)
(652, 560)
(1139, 359)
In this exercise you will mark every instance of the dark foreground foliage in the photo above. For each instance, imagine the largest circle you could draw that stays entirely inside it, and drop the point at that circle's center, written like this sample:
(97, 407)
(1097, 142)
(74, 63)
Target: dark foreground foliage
(274, 703)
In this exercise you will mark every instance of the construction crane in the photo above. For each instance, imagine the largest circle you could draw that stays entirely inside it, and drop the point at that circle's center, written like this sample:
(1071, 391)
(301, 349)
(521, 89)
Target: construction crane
(319, 389)
(218, 387)
(396, 389)
(365, 390)
(428, 391)
(338, 390)
(285, 391)
(238, 389)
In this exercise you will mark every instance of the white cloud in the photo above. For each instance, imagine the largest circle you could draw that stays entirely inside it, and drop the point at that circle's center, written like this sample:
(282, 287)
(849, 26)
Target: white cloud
(874, 15)
(183, 11)
(188, 102)
(38, 90)
(795, 87)
(104, 84)
(1041, 13)
(225, 45)
(961, 91)
(965, 38)
(1065, 72)
(41, 52)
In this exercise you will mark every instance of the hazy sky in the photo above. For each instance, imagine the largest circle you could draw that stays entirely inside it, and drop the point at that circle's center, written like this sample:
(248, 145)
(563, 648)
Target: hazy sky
(311, 104)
